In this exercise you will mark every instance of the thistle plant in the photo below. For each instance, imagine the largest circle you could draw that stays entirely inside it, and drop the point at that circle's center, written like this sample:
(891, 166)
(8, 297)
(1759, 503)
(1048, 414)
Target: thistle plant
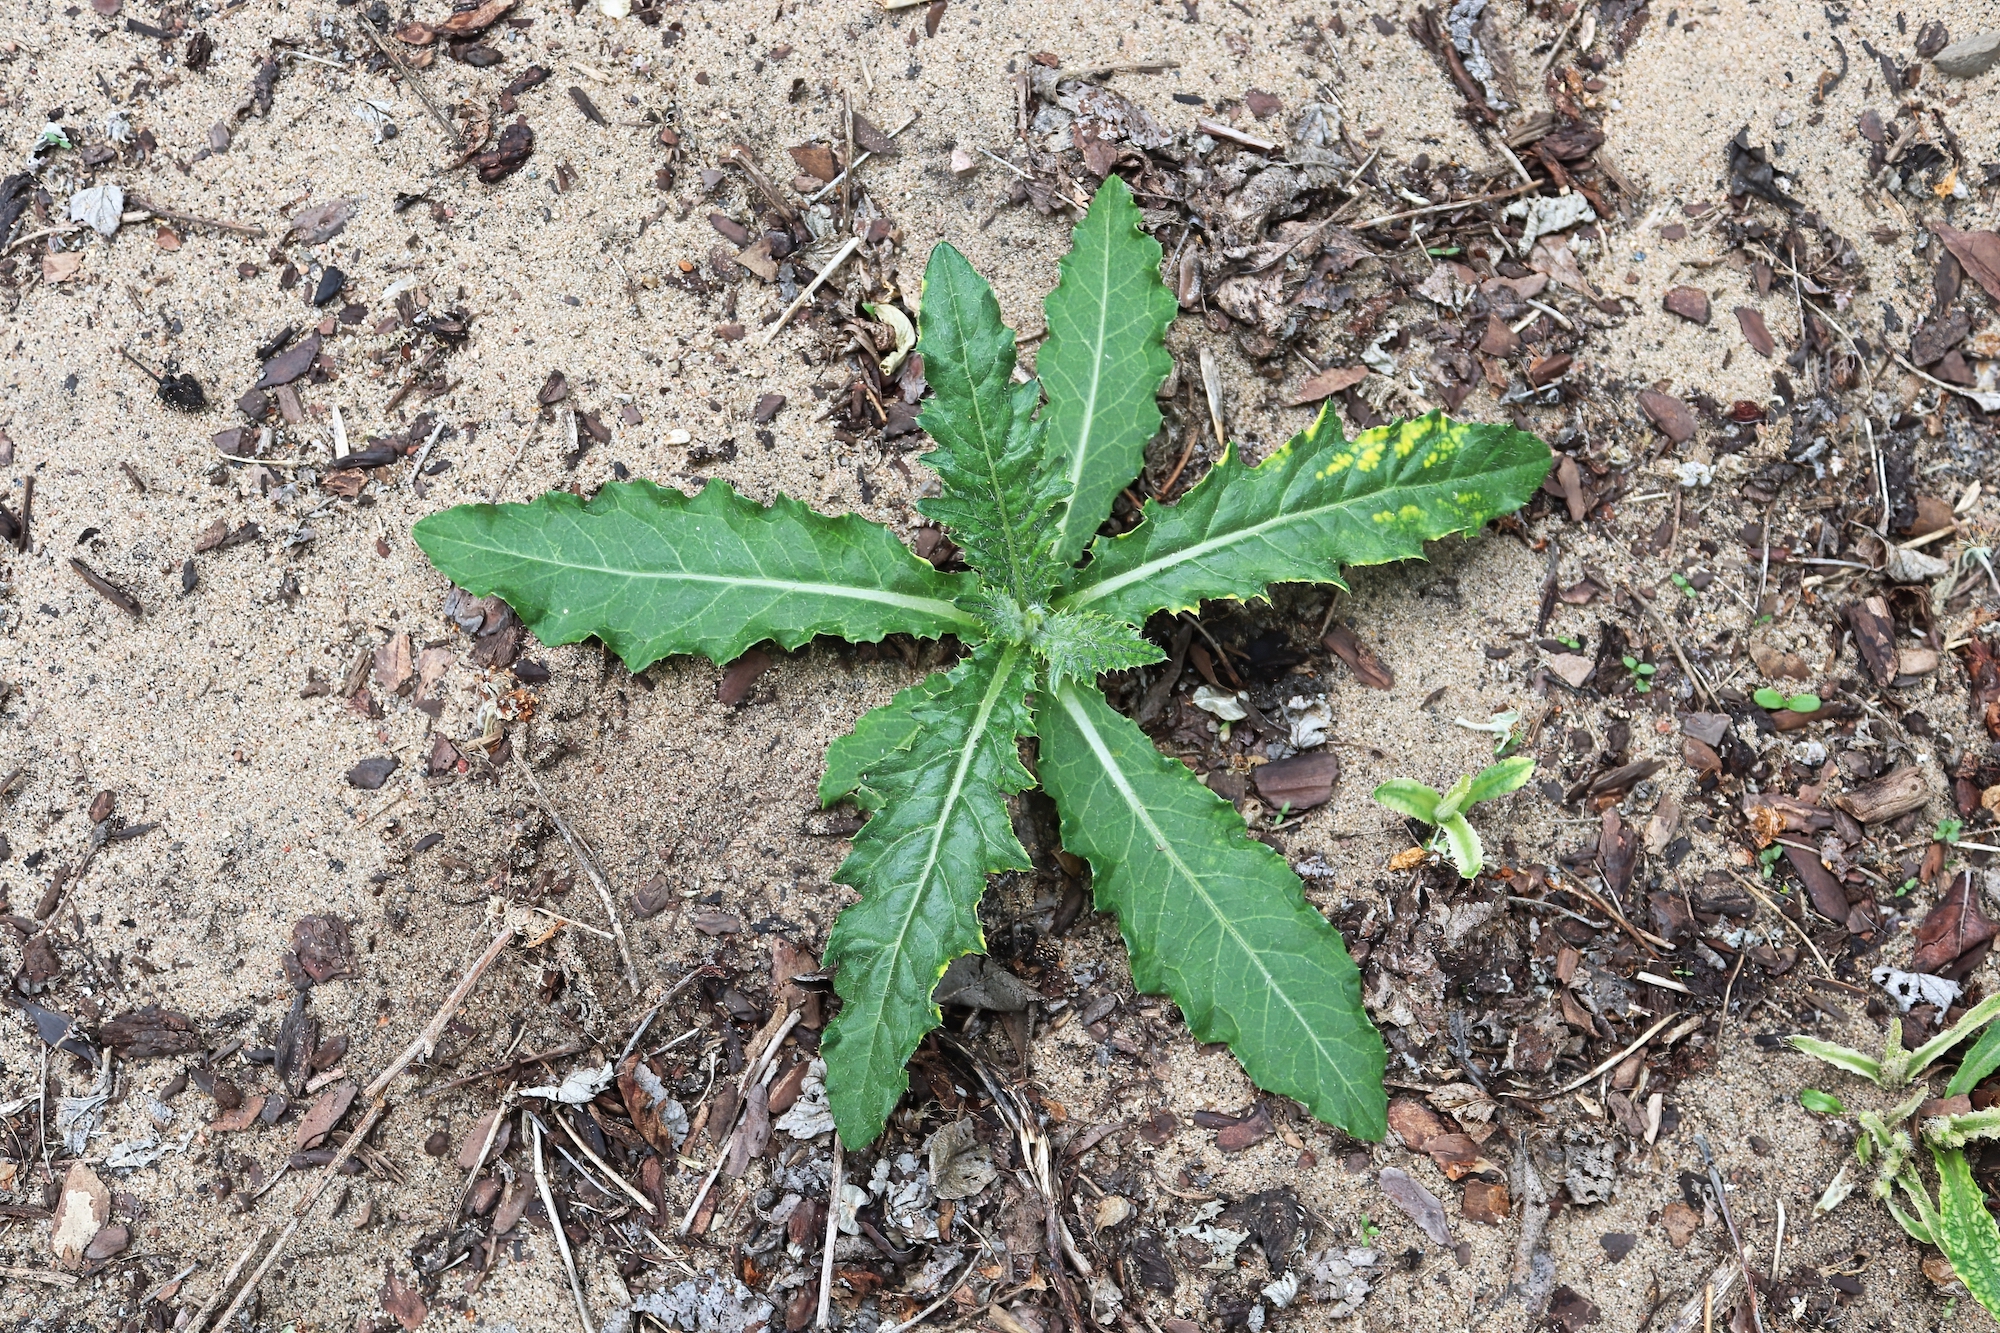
(1957, 1221)
(1445, 810)
(1027, 473)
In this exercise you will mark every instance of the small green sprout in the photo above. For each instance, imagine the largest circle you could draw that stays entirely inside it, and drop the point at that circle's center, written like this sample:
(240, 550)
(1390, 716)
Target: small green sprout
(1767, 858)
(1948, 831)
(1903, 889)
(1680, 581)
(1369, 1231)
(1642, 673)
(1444, 811)
(1572, 643)
(1500, 725)
(1776, 700)
(1821, 1103)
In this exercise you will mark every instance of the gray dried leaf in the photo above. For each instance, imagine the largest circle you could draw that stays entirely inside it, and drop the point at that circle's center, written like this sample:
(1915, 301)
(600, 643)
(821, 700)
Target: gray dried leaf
(579, 1087)
(1337, 1279)
(101, 207)
(975, 981)
(1914, 988)
(1593, 1168)
(1420, 1204)
(810, 1115)
(325, 221)
(961, 1166)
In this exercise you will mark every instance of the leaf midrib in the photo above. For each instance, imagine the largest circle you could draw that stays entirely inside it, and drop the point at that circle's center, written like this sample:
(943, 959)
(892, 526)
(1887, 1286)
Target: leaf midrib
(931, 605)
(1072, 705)
(1080, 453)
(1016, 573)
(1003, 672)
(1140, 573)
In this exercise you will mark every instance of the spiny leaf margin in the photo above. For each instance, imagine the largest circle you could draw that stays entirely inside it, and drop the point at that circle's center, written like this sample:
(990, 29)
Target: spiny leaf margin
(1211, 917)
(1105, 356)
(651, 571)
(920, 864)
(1318, 503)
(998, 499)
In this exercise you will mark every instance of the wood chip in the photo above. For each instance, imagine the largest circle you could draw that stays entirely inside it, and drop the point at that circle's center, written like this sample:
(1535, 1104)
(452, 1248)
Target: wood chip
(1690, 303)
(1754, 332)
(1669, 415)
(587, 107)
(324, 1114)
(1340, 640)
(734, 687)
(1894, 793)
(108, 590)
(1875, 637)
(1302, 782)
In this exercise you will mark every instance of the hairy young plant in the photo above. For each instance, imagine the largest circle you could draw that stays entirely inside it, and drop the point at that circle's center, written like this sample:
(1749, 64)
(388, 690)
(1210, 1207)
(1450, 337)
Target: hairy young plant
(1957, 1223)
(1445, 810)
(1028, 472)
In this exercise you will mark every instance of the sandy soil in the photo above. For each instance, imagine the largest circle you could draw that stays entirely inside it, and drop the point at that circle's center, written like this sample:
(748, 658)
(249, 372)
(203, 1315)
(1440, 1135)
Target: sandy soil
(193, 713)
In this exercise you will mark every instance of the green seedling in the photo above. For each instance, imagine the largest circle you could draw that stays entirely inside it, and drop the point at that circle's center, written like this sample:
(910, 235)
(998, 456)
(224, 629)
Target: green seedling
(1956, 1221)
(1027, 473)
(1948, 831)
(1680, 581)
(1500, 726)
(1642, 673)
(1573, 644)
(1777, 700)
(1767, 858)
(1445, 810)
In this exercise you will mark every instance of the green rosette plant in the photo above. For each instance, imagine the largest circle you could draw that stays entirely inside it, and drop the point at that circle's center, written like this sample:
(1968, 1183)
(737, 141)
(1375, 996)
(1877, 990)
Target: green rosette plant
(1028, 472)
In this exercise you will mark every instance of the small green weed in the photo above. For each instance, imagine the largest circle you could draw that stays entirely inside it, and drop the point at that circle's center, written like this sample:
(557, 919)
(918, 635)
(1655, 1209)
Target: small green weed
(1956, 1221)
(1445, 811)
(1777, 700)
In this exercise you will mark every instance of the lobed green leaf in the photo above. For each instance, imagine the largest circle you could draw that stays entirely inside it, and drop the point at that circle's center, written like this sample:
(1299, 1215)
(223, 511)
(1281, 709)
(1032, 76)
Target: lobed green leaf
(1081, 645)
(1843, 1057)
(1965, 1231)
(1105, 356)
(1409, 798)
(880, 742)
(1318, 503)
(1499, 779)
(651, 571)
(920, 864)
(1210, 917)
(998, 499)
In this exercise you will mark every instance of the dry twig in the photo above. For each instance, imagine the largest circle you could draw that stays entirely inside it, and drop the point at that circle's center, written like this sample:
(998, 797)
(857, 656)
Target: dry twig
(576, 846)
(416, 85)
(555, 1225)
(832, 1230)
